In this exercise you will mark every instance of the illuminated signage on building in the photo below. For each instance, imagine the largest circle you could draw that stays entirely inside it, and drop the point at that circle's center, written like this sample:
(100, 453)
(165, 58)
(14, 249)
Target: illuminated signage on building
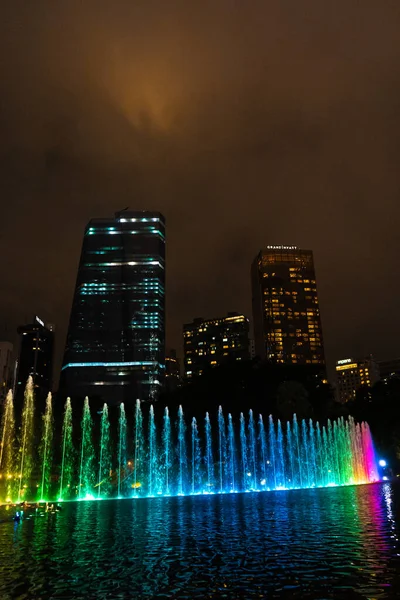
(281, 247)
(346, 367)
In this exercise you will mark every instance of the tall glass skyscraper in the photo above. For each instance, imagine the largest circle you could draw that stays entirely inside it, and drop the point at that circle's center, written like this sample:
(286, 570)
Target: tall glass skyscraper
(286, 317)
(115, 348)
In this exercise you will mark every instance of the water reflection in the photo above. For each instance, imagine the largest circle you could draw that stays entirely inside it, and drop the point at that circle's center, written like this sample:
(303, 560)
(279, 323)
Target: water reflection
(307, 543)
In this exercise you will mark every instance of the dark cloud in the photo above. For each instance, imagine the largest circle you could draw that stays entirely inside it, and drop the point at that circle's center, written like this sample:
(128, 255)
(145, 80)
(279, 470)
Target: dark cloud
(246, 123)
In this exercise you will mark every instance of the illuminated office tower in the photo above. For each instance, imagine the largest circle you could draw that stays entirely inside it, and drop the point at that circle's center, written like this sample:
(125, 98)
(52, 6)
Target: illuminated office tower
(286, 317)
(212, 342)
(115, 346)
(352, 374)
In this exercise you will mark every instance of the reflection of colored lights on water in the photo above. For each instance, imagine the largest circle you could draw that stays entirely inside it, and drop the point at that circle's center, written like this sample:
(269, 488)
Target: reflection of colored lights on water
(88, 497)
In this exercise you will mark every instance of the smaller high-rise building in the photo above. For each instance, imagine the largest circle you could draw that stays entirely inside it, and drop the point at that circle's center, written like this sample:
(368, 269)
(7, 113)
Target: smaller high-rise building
(35, 357)
(352, 374)
(6, 368)
(212, 342)
(172, 371)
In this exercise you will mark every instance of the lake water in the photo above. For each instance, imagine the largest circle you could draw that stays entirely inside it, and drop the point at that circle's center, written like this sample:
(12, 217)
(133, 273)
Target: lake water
(322, 543)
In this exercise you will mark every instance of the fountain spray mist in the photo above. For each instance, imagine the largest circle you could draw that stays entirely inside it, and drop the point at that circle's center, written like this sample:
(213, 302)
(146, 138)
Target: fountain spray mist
(167, 451)
(231, 455)
(86, 470)
(154, 485)
(122, 476)
(196, 459)
(103, 481)
(67, 459)
(26, 449)
(222, 450)
(7, 447)
(46, 450)
(181, 451)
(209, 455)
(139, 449)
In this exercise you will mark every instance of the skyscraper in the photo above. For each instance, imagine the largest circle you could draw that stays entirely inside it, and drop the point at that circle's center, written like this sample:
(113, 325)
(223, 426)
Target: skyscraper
(210, 343)
(36, 350)
(115, 346)
(287, 324)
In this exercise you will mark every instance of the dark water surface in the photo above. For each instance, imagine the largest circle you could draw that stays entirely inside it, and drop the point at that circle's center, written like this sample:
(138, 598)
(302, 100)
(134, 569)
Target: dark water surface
(325, 543)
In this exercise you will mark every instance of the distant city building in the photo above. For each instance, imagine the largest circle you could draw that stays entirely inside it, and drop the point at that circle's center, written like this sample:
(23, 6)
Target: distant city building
(286, 316)
(172, 371)
(6, 368)
(352, 374)
(389, 369)
(210, 343)
(115, 349)
(36, 349)
(252, 348)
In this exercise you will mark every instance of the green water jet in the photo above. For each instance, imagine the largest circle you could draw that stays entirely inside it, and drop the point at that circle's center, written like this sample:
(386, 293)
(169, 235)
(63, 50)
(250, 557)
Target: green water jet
(86, 468)
(27, 438)
(104, 483)
(45, 450)
(7, 448)
(68, 455)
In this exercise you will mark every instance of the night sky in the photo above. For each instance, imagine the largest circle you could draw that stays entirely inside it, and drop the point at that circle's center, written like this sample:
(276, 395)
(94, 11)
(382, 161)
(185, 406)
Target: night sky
(246, 123)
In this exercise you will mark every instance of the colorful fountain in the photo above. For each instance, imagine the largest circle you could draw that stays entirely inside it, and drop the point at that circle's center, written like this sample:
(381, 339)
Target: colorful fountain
(170, 458)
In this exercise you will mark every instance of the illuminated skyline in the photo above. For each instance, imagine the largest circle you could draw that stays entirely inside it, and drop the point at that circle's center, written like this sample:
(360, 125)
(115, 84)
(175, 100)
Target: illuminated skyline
(245, 125)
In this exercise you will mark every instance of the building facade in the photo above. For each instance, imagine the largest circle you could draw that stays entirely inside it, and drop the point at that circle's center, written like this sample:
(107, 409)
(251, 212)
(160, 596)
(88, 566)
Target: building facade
(389, 369)
(6, 369)
(352, 374)
(172, 371)
(210, 343)
(36, 350)
(286, 315)
(252, 349)
(115, 348)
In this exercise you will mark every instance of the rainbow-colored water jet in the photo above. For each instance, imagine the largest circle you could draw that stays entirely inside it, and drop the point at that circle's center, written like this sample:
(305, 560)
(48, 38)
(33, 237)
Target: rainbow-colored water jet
(167, 458)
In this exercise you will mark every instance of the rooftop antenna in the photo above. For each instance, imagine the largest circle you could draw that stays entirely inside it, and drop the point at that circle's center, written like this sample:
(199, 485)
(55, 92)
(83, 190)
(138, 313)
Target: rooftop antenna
(117, 214)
